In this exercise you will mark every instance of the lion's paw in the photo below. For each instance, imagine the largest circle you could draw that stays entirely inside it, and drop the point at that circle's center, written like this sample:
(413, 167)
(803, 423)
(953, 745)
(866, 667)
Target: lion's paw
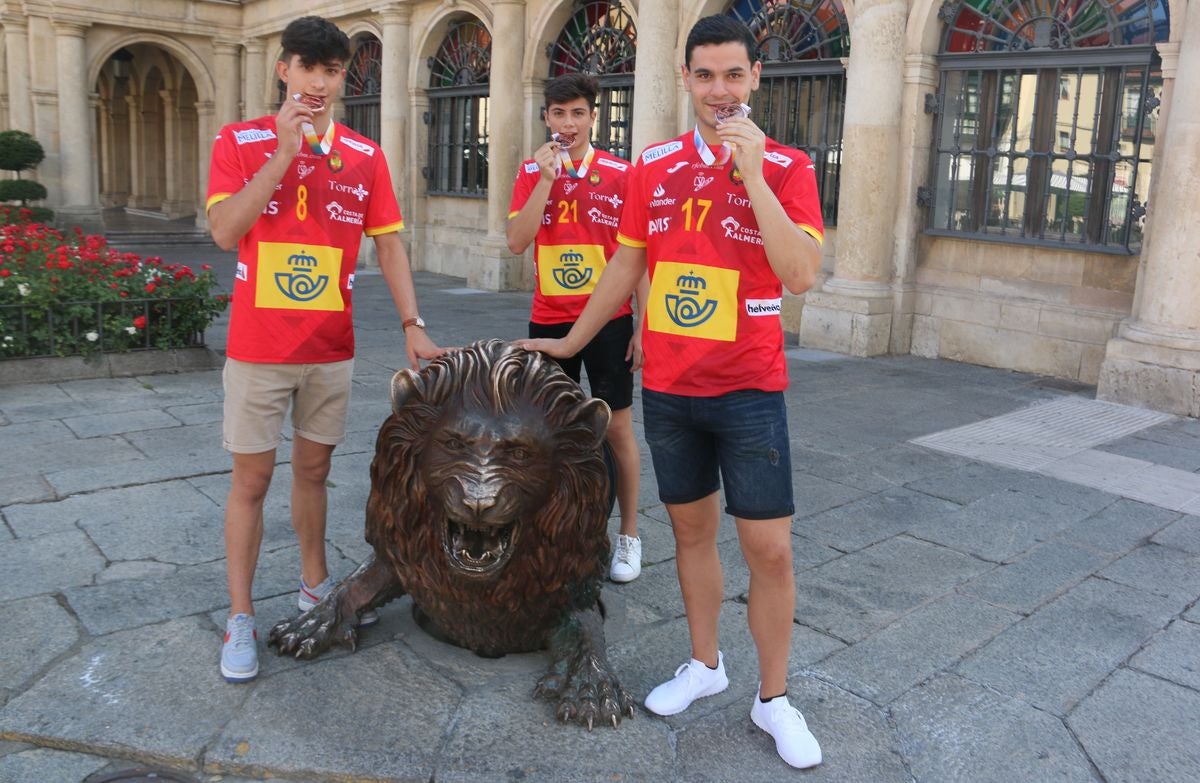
(313, 632)
(590, 698)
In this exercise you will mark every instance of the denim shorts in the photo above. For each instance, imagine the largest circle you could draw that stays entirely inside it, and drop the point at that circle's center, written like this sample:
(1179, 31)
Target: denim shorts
(739, 439)
(609, 375)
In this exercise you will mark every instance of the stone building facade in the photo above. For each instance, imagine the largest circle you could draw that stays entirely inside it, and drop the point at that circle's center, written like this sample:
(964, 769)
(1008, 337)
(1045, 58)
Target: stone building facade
(1013, 183)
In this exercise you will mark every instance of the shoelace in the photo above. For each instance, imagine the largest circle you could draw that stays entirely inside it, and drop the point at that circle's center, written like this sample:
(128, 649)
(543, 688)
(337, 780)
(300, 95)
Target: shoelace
(623, 552)
(241, 636)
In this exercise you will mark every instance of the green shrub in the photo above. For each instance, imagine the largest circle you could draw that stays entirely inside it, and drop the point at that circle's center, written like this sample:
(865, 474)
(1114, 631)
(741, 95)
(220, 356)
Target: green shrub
(19, 151)
(23, 190)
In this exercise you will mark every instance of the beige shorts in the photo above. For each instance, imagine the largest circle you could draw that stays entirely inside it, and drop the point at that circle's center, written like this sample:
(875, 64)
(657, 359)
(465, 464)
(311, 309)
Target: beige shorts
(257, 398)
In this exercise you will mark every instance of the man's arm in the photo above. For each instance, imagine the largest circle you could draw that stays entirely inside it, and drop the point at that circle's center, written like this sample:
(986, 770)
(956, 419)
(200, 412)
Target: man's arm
(397, 272)
(634, 354)
(524, 226)
(230, 219)
(626, 268)
(794, 255)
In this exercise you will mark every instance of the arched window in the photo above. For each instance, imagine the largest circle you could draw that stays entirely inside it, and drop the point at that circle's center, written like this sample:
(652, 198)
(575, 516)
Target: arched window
(458, 111)
(600, 39)
(363, 84)
(802, 94)
(1047, 113)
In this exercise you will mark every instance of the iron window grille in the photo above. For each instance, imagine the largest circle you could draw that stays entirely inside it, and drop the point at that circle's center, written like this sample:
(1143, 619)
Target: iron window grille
(1046, 116)
(458, 112)
(600, 39)
(364, 78)
(801, 99)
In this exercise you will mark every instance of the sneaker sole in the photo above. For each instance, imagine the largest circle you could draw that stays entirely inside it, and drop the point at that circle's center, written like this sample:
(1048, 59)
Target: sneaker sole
(704, 694)
(623, 579)
(235, 677)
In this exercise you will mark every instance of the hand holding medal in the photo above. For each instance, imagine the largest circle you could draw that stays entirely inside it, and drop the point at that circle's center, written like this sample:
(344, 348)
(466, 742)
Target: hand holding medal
(565, 142)
(723, 114)
(316, 105)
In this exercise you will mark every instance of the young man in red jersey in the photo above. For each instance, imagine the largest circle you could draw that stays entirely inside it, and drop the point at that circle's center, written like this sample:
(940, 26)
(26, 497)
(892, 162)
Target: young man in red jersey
(294, 193)
(567, 201)
(723, 218)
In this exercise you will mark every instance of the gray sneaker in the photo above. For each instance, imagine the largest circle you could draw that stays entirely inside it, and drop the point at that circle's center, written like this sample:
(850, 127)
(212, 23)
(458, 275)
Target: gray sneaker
(239, 653)
(311, 596)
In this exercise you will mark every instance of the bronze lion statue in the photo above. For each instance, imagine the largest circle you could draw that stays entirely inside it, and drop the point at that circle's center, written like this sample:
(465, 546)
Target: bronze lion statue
(489, 502)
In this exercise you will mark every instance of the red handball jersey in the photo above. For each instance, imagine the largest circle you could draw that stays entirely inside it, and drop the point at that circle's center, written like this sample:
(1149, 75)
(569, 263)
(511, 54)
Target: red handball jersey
(295, 271)
(577, 237)
(713, 315)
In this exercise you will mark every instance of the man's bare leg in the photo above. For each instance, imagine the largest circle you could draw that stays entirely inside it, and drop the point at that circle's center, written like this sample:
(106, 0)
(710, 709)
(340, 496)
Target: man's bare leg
(244, 525)
(699, 566)
(767, 547)
(310, 504)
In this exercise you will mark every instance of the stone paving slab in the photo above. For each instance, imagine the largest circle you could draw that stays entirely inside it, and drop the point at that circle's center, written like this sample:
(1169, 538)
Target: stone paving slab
(1161, 570)
(91, 426)
(47, 564)
(931, 638)
(1173, 655)
(49, 457)
(134, 694)
(1061, 652)
(1154, 737)
(853, 596)
(872, 519)
(43, 764)
(1047, 571)
(1183, 534)
(1118, 528)
(952, 730)
(24, 653)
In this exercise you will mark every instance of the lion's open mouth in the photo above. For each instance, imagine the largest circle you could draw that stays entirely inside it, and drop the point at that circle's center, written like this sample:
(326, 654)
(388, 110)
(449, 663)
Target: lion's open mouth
(478, 550)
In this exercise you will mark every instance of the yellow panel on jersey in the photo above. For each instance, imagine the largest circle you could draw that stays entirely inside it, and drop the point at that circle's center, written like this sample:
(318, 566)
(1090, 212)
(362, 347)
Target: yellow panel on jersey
(569, 270)
(692, 300)
(298, 277)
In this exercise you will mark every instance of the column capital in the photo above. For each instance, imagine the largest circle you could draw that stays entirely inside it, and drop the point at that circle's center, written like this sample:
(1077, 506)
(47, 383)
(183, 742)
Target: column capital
(1169, 52)
(255, 45)
(70, 28)
(921, 69)
(226, 46)
(205, 108)
(394, 13)
(13, 22)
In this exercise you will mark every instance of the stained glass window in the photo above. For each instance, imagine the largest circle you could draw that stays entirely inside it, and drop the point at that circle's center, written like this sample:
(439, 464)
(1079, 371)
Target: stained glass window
(600, 39)
(1046, 118)
(801, 97)
(458, 111)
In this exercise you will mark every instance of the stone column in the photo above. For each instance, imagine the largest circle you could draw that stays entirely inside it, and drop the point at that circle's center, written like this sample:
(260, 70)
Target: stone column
(206, 130)
(16, 62)
(137, 164)
(493, 267)
(853, 311)
(1154, 362)
(256, 77)
(81, 206)
(225, 71)
(654, 91)
(172, 154)
(393, 100)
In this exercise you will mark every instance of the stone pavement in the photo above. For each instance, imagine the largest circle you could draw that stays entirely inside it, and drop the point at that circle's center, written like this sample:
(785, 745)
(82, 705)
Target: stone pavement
(960, 617)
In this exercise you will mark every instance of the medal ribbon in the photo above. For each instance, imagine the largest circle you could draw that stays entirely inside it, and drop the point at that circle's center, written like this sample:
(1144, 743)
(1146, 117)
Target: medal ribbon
(585, 164)
(319, 146)
(706, 154)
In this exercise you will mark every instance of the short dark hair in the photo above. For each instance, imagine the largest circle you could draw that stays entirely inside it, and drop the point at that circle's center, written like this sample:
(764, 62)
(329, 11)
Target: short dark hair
(719, 29)
(568, 87)
(316, 40)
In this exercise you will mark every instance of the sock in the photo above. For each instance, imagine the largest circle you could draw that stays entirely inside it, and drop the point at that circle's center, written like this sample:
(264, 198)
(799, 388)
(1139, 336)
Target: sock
(765, 699)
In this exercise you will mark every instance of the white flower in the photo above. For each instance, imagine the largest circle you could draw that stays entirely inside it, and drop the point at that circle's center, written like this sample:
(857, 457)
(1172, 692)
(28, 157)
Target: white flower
(8, 338)
(1, 282)
(23, 289)
(92, 337)
(131, 329)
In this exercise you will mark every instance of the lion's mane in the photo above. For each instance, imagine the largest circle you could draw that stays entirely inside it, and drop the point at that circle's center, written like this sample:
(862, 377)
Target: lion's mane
(560, 551)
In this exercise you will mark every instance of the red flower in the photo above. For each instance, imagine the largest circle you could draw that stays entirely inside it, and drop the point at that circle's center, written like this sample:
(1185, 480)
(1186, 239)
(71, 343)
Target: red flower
(4, 273)
(150, 288)
(140, 322)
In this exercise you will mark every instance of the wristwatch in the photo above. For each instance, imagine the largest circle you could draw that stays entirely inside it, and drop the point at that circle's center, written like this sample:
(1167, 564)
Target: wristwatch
(418, 322)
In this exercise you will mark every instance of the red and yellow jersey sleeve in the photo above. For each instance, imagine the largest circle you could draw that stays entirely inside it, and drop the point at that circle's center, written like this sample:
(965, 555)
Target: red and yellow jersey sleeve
(383, 211)
(527, 177)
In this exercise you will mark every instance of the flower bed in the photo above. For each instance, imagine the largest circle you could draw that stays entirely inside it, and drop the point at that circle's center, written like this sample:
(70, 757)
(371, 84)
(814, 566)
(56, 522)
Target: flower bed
(67, 296)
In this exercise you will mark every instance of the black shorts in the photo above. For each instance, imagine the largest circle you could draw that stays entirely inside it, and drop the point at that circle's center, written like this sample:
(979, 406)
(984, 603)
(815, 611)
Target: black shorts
(610, 376)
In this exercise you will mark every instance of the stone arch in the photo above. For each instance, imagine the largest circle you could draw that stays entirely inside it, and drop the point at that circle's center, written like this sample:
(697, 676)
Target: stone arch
(544, 31)
(435, 31)
(194, 63)
(924, 29)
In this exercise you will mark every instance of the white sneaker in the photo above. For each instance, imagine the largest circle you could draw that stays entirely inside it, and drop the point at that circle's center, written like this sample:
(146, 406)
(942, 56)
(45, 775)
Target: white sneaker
(794, 742)
(626, 559)
(692, 680)
(311, 596)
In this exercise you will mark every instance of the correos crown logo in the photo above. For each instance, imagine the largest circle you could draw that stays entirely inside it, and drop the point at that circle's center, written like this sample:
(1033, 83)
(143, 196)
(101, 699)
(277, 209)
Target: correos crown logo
(301, 284)
(685, 308)
(569, 275)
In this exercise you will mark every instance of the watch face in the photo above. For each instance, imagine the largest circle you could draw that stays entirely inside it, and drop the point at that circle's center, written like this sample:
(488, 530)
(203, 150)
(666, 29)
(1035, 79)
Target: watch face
(420, 322)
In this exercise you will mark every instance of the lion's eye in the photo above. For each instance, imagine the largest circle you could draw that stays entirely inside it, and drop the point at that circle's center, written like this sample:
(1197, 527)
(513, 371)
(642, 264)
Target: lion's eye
(519, 452)
(453, 443)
